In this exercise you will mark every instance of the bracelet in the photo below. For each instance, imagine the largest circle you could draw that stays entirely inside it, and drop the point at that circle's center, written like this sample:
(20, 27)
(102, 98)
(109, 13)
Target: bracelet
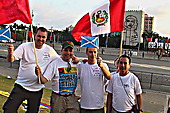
(140, 110)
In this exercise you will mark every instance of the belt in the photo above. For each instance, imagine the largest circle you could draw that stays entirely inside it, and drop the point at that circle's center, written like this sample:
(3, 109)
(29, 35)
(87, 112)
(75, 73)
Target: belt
(129, 111)
(65, 95)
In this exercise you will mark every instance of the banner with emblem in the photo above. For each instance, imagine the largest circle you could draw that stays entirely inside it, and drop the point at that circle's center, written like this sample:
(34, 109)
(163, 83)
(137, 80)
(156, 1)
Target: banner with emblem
(107, 17)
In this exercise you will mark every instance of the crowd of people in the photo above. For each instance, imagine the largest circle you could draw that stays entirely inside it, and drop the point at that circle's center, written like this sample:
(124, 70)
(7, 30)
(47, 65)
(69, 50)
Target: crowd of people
(124, 93)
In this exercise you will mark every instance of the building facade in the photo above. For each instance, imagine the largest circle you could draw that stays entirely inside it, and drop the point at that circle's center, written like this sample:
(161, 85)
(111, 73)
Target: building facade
(148, 23)
(135, 23)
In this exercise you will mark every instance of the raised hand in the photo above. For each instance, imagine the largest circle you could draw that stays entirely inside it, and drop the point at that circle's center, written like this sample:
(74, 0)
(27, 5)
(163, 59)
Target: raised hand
(10, 56)
(99, 61)
(10, 49)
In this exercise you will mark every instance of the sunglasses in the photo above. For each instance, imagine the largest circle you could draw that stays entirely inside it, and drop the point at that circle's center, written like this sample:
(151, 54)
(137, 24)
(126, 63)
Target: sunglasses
(69, 67)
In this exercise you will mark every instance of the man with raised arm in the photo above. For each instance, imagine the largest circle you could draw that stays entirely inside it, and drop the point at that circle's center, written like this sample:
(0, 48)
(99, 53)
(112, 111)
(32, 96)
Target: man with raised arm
(27, 86)
(91, 76)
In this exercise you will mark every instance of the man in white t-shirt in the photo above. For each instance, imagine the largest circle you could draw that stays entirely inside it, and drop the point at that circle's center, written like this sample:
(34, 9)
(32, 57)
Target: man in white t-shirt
(124, 89)
(63, 74)
(27, 86)
(91, 76)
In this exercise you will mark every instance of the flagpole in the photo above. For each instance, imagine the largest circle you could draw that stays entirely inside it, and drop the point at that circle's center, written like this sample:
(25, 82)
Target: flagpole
(27, 34)
(121, 43)
(35, 54)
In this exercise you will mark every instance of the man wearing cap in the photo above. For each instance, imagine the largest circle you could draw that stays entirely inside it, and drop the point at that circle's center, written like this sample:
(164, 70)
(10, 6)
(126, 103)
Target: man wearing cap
(63, 73)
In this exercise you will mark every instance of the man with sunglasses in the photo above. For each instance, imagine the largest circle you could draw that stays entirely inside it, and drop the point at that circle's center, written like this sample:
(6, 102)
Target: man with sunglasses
(124, 90)
(27, 86)
(63, 74)
(91, 74)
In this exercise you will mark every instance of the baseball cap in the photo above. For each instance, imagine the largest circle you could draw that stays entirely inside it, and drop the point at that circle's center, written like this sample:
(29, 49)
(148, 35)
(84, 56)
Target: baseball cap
(67, 44)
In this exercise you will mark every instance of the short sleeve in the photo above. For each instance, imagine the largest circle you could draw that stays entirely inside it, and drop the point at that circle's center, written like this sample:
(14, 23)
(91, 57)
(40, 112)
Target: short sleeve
(50, 71)
(110, 86)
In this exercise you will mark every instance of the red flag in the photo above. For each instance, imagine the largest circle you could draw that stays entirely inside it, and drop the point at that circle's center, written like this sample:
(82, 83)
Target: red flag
(12, 10)
(106, 18)
(30, 34)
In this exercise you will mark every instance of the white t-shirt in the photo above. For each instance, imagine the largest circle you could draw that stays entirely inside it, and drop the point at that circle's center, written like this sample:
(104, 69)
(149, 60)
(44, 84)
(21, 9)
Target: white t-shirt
(63, 82)
(121, 101)
(111, 75)
(92, 85)
(26, 75)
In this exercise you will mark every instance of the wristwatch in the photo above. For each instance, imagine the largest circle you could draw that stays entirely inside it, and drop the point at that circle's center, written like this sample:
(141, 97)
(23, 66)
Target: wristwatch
(140, 110)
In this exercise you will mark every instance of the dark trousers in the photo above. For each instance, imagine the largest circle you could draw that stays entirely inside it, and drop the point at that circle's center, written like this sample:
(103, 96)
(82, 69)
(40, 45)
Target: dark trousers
(18, 95)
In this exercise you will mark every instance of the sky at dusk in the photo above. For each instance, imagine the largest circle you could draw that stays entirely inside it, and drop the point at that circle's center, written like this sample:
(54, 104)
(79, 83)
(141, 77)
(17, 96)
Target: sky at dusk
(60, 14)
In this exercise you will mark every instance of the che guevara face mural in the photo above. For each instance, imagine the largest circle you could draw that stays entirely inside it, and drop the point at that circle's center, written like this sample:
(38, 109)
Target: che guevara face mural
(131, 25)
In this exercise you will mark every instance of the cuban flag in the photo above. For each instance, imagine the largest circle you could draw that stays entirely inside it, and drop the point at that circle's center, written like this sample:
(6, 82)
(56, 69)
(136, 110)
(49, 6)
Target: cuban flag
(90, 42)
(5, 34)
(107, 17)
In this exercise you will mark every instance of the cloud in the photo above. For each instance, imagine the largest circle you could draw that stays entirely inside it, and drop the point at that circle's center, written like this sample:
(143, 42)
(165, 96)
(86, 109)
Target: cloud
(162, 19)
(57, 15)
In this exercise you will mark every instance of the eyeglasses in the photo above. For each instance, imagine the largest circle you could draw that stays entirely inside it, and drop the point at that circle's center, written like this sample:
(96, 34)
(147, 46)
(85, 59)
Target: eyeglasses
(69, 67)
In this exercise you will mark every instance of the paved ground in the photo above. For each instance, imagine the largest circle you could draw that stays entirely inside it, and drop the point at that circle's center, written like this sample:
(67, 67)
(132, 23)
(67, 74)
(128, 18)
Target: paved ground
(153, 101)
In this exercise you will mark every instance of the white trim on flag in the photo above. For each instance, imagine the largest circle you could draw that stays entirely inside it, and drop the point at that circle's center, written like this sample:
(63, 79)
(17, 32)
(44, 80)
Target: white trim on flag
(97, 28)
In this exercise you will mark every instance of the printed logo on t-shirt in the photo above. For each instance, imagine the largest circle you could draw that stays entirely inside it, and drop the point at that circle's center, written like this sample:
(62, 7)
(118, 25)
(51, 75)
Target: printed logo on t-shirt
(126, 85)
(46, 56)
(96, 71)
(67, 80)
